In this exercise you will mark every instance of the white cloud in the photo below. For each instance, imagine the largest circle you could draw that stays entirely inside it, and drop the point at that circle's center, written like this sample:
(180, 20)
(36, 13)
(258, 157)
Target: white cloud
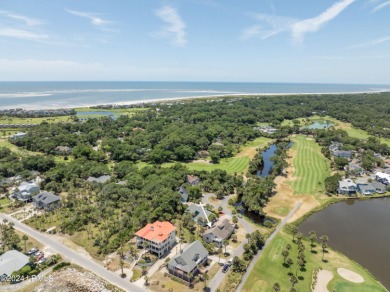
(297, 28)
(380, 6)
(93, 17)
(300, 28)
(22, 34)
(174, 28)
(27, 20)
(371, 43)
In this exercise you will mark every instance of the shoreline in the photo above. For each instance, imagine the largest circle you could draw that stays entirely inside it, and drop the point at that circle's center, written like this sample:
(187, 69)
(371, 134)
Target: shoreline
(186, 98)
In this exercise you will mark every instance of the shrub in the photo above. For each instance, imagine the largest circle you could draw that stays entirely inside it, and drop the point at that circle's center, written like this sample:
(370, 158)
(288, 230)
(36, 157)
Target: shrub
(61, 265)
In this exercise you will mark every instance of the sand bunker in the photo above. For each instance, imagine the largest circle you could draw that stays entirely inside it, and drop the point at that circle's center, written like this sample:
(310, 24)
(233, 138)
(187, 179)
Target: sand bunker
(350, 275)
(323, 278)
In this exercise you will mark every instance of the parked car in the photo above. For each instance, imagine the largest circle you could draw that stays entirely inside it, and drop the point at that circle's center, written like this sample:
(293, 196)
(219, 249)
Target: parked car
(32, 251)
(229, 262)
(225, 268)
(42, 260)
(38, 253)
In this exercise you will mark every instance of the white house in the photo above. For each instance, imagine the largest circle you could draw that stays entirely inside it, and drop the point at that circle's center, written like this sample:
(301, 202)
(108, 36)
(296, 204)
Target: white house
(159, 237)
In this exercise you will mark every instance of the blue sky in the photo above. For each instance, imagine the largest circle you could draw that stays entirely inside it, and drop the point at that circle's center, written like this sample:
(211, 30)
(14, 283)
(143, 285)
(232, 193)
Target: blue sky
(341, 41)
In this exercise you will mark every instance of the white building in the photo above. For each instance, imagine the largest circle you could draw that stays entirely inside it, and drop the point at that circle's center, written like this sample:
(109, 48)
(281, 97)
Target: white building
(159, 237)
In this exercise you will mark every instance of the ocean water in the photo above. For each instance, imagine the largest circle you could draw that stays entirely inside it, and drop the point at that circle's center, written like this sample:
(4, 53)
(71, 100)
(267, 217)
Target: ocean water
(49, 95)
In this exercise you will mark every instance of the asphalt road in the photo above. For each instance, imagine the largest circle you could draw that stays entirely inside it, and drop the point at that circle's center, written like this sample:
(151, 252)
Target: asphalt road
(73, 256)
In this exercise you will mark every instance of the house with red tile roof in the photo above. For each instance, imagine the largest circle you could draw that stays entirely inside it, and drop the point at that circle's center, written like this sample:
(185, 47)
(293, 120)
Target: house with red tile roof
(159, 237)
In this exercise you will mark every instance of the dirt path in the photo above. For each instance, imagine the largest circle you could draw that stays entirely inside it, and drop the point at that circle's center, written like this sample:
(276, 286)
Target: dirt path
(323, 278)
(285, 200)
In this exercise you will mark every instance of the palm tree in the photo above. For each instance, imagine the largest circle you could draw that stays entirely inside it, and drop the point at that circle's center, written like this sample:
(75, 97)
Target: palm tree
(293, 280)
(219, 254)
(324, 246)
(122, 263)
(225, 243)
(205, 278)
(300, 263)
(146, 280)
(294, 231)
(248, 236)
(145, 245)
(25, 238)
(285, 254)
(276, 287)
(289, 262)
(313, 238)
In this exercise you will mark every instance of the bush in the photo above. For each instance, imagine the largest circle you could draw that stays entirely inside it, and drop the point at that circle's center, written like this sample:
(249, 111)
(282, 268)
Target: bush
(60, 265)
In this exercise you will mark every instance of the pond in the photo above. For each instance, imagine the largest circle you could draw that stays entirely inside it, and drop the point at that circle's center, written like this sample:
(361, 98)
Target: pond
(359, 229)
(267, 162)
(319, 125)
(264, 172)
(96, 113)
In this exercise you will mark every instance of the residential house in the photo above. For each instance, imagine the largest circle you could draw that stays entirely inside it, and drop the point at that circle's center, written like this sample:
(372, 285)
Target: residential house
(63, 150)
(101, 179)
(267, 129)
(219, 233)
(383, 177)
(159, 237)
(347, 187)
(184, 194)
(185, 265)
(193, 180)
(200, 214)
(379, 187)
(47, 201)
(19, 135)
(366, 189)
(343, 153)
(11, 261)
(25, 191)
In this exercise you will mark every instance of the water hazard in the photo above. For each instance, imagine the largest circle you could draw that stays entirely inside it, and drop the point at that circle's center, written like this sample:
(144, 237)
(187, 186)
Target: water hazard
(358, 229)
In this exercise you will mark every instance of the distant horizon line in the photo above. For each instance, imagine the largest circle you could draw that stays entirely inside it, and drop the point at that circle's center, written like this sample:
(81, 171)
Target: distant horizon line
(189, 81)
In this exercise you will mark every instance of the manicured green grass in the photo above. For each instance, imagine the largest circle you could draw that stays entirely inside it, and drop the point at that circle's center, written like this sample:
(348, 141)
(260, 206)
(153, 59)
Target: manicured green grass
(16, 120)
(310, 167)
(230, 165)
(237, 164)
(351, 130)
(269, 269)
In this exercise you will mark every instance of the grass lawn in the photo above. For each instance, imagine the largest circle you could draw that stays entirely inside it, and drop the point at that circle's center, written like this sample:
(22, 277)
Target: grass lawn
(4, 201)
(310, 167)
(351, 130)
(17, 120)
(269, 269)
(237, 164)
(30, 243)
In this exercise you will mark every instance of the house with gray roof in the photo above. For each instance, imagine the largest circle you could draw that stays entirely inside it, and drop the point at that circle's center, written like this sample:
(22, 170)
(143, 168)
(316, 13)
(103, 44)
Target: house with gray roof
(19, 135)
(186, 263)
(63, 150)
(343, 153)
(101, 179)
(47, 201)
(366, 189)
(193, 180)
(11, 261)
(347, 187)
(184, 193)
(25, 191)
(379, 187)
(219, 233)
(200, 214)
